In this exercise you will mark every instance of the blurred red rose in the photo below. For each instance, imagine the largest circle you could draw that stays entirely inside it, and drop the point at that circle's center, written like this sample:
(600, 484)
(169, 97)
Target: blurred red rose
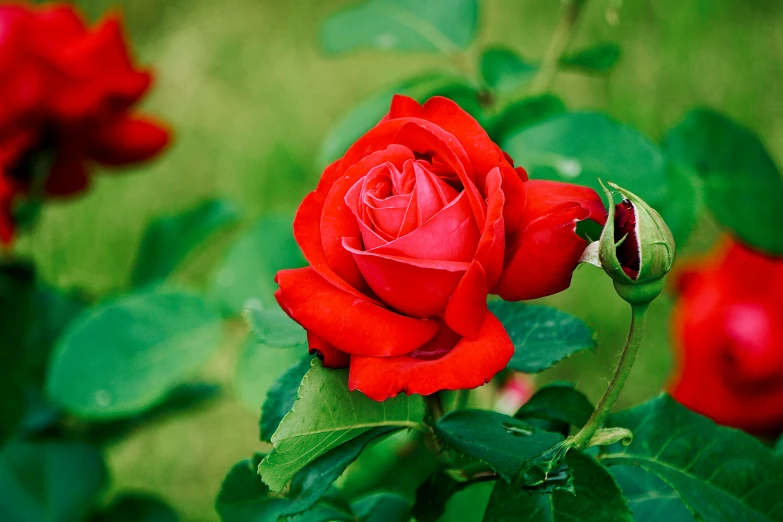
(728, 329)
(67, 94)
(408, 233)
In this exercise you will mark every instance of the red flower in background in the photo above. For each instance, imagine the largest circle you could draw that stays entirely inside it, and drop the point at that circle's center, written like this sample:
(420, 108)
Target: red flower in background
(67, 93)
(408, 233)
(728, 329)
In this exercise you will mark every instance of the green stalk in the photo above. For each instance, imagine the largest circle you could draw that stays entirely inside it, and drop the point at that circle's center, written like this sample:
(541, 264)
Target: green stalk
(627, 358)
(562, 36)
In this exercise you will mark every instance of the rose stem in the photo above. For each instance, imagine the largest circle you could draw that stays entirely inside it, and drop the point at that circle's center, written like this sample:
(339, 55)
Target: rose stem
(627, 358)
(562, 36)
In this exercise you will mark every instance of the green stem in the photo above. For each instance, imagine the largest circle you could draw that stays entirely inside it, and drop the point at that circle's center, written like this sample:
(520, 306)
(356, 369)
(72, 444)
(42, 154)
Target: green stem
(632, 344)
(562, 36)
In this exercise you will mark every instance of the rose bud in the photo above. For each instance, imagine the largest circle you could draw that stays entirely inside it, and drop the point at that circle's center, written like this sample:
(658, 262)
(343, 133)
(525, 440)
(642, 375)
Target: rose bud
(727, 328)
(636, 248)
(406, 235)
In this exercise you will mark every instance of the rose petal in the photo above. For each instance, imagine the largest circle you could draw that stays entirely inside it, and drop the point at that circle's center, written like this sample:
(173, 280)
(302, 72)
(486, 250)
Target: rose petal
(307, 231)
(337, 219)
(425, 138)
(469, 364)
(451, 235)
(350, 324)
(491, 248)
(541, 257)
(545, 254)
(128, 140)
(468, 304)
(331, 356)
(484, 154)
(419, 288)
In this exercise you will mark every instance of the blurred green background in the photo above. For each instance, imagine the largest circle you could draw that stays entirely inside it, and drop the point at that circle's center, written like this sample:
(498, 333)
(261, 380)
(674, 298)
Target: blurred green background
(251, 97)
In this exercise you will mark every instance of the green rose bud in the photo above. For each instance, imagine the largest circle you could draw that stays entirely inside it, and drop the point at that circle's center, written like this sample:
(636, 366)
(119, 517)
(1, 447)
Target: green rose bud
(636, 248)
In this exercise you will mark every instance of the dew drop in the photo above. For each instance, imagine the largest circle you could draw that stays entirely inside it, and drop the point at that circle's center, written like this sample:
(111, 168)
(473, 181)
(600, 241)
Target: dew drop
(103, 398)
(517, 431)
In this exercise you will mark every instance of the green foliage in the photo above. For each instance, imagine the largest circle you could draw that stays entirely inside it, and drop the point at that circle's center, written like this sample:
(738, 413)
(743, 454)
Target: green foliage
(366, 114)
(649, 497)
(599, 59)
(580, 147)
(281, 397)
(559, 406)
(542, 336)
(259, 368)
(274, 328)
(169, 240)
(402, 25)
(311, 484)
(433, 494)
(315, 425)
(503, 70)
(125, 355)
(596, 498)
(49, 481)
(382, 507)
(524, 113)
(248, 270)
(244, 497)
(506, 444)
(721, 474)
(136, 507)
(740, 182)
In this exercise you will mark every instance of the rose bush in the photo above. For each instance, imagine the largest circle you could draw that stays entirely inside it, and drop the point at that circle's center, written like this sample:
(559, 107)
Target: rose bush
(67, 93)
(728, 329)
(407, 234)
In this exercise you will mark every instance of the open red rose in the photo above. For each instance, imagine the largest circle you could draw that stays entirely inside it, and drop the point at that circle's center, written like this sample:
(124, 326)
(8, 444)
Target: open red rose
(408, 233)
(67, 93)
(728, 329)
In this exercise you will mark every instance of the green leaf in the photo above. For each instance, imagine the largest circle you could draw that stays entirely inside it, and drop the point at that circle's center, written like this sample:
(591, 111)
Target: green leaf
(281, 397)
(124, 356)
(382, 507)
(311, 484)
(720, 473)
(247, 273)
(12, 409)
(560, 405)
(649, 498)
(779, 446)
(433, 495)
(362, 117)
(600, 58)
(685, 203)
(524, 113)
(741, 184)
(244, 497)
(134, 507)
(49, 481)
(314, 425)
(542, 336)
(580, 147)
(506, 444)
(273, 327)
(596, 498)
(503, 70)
(402, 25)
(167, 241)
(259, 368)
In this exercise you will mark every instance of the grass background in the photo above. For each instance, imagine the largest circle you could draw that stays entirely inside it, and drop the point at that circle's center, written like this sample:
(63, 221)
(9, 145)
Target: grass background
(250, 96)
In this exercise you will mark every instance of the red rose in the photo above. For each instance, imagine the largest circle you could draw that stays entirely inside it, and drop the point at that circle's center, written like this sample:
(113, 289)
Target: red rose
(408, 233)
(67, 92)
(728, 329)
